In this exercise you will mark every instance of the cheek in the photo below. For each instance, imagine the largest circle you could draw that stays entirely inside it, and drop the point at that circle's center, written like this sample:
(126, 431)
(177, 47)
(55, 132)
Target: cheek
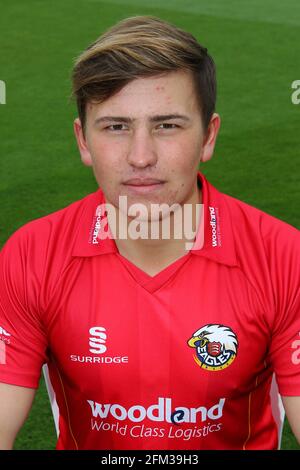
(183, 157)
(106, 161)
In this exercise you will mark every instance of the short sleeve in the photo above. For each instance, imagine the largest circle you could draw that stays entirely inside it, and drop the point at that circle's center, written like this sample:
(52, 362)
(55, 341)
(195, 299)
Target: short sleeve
(284, 264)
(23, 342)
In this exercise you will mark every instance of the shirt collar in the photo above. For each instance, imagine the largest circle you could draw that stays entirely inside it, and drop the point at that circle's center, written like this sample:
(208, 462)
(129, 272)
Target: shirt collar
(215, 238)
(215, 241)
(89, 240)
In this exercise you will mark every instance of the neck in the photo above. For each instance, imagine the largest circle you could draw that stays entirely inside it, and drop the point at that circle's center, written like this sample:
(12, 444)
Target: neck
(153, 254)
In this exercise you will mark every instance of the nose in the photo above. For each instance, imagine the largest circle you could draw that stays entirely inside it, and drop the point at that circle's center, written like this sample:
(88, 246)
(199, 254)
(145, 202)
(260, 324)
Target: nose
(141, 151)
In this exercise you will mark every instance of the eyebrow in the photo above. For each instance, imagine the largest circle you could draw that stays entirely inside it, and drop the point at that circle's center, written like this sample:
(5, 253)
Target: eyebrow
(157, 118)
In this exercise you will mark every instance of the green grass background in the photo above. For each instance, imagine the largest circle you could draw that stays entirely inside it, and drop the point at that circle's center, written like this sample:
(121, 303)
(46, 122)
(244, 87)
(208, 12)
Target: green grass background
(256, 48)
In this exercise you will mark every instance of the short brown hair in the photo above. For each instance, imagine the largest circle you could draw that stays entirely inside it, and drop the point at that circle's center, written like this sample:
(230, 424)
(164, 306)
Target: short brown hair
(142, 46)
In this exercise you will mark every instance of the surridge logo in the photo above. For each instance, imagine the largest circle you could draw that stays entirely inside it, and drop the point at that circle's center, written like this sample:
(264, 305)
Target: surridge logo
(97, 346)
(215, 345)
(159, 412)
(97, 340)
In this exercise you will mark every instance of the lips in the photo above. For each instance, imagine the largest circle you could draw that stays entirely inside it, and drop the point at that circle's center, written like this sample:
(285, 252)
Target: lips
(142, 182)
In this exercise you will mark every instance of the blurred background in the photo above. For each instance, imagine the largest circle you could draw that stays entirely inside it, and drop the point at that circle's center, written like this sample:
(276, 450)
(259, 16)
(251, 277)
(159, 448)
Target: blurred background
(256, 48)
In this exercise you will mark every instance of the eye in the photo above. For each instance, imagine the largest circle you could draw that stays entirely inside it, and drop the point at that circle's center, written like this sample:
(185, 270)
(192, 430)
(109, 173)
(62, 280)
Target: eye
(168, 125)
(116, 127)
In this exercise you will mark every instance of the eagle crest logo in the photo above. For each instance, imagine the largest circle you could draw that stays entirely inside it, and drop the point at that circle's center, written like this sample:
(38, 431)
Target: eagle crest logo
(215, 346)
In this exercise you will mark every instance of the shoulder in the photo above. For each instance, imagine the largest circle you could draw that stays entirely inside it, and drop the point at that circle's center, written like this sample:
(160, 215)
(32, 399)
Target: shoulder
(268, 253)
(44, 246)
(254, 225)
(252, 234)
(35, 256)
(59, 226)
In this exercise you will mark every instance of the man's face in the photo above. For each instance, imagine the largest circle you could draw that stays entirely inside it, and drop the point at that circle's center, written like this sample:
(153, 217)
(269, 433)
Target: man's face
(146, 141)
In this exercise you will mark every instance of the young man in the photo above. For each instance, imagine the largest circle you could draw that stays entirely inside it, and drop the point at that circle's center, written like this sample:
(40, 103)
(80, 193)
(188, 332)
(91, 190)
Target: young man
(152, 342)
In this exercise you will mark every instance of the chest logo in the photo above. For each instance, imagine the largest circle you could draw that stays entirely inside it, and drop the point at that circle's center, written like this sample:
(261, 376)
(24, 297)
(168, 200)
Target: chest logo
(215, 346)
(97, 340)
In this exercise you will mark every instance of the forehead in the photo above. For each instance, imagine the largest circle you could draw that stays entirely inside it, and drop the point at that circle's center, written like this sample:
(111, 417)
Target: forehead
(170, 92)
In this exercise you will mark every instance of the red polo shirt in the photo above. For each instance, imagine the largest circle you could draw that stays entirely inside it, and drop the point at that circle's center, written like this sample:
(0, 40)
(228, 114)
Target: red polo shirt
(181, 360)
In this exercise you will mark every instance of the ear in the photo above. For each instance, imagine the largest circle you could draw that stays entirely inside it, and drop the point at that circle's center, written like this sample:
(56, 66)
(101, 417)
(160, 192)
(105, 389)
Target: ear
(86, 157)
(210, 138)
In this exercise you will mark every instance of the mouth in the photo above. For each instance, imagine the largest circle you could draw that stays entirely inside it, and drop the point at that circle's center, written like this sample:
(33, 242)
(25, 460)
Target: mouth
(143, 185)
